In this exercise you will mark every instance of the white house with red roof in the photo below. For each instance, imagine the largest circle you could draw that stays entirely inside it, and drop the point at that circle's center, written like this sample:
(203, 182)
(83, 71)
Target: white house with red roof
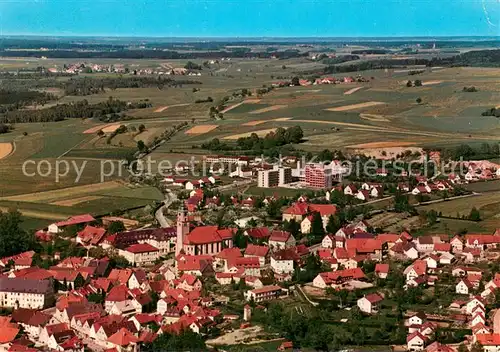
(59, 227)
(140, 254)
(260, 252)
(264, 293)
(281, 239)
(282, 261)
(489, 342)
(300, 210)
(382, 270)
(416, 341)
(369, 303)
(464, 287)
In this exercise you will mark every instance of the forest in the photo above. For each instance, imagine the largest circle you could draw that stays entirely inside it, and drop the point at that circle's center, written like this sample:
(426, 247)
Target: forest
(80, 109)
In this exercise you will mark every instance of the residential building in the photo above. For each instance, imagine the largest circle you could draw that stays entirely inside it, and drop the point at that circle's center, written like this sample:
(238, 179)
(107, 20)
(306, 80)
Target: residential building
(265, 293)
(25, 293)
(318, 176)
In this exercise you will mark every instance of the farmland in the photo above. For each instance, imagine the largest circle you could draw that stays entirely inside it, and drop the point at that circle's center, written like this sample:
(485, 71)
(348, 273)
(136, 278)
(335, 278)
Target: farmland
(380, 112)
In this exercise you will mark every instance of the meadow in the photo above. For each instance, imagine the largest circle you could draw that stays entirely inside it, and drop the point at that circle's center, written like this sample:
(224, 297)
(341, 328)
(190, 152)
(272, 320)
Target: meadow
(341, 116)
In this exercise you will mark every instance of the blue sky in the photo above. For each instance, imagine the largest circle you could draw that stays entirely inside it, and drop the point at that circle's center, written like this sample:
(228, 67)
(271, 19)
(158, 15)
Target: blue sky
(227, 18)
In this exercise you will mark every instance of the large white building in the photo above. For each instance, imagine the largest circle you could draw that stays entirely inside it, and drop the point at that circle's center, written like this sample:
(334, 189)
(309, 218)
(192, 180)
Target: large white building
(276, 177)
(140, 254)
(25, 293)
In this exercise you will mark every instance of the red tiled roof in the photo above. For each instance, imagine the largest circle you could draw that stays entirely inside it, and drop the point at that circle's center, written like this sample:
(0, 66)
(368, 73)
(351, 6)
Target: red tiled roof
(346, 274)
(382, 268)
(118, 294)
(245, 262)
(123, 337)
(141, 248)
(488, 339)
(92, 234)
(265, 289)
(258, 232)
(279, 236)
(228, 253)
(374, 298)
(255, 250)
(75, 220)
(208, 234)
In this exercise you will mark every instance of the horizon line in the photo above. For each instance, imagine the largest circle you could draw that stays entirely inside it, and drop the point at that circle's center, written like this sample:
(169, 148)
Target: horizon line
(246, 36)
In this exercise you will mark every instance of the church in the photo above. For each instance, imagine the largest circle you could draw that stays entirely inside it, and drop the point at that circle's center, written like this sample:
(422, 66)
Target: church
(206, 240)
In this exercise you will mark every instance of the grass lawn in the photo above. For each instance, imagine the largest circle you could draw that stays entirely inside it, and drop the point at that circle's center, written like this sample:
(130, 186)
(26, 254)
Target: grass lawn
(282, 192)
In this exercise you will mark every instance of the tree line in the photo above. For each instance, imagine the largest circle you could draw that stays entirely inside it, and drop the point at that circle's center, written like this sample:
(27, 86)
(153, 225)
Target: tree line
(80, 109)
(256, 144)
(11, 100)
(91, 85)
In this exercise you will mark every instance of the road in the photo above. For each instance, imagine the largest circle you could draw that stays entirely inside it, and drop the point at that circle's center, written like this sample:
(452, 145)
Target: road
(170, 197)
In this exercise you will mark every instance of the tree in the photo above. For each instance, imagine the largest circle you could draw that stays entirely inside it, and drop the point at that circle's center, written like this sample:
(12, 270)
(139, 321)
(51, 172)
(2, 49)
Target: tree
(13, 239)
(115, 227)
(419, 100)
(186, 340)
(292, 226)
(295, 81)
(141, 128)
(317, 230)
(239, 239)
(141, 146)
(333, 224)
(474, 215)
(418, 83)
(409, 84)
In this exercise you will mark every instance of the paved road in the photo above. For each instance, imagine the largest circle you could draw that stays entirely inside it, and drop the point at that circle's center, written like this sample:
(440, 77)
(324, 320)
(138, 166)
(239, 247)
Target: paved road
(170, 197)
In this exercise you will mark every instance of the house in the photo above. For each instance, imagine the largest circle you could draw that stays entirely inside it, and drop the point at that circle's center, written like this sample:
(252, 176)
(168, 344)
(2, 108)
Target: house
(282, 261)
(123, 340)
(301, 209)
(258, 233)
(489, 342)
(131, 278)
(382, 270)
(476, 301)
(457, 245)
(260, 252)
(421, 189)
(425, 244)
(335, 278)
(369, 303)
(363, 195)
(264, 293)
(140, 254)
(281, 239)
(415, 270)
(377, 191)
(250, 265)
(350, 190)
(59, 227)
(417, 319)
(90, 235)
(463, 287)
(415, 341)
(198, 265)
(25, 293)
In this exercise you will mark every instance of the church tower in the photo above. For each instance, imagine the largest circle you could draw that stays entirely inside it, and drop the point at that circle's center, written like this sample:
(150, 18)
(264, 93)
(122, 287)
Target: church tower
(182, 228)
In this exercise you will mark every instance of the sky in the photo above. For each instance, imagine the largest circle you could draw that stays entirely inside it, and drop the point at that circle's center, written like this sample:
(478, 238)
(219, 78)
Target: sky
(250, 18)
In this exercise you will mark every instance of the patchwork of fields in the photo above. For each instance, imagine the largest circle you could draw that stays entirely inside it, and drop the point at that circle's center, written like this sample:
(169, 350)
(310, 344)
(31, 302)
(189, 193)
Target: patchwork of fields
(367, 116)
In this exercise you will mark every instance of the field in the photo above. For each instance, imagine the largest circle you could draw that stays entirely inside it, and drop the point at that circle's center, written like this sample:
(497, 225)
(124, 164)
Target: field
(487, 203)
(369, 116)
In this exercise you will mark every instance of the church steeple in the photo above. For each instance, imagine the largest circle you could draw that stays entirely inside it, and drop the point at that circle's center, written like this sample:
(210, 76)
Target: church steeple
(182, 228)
